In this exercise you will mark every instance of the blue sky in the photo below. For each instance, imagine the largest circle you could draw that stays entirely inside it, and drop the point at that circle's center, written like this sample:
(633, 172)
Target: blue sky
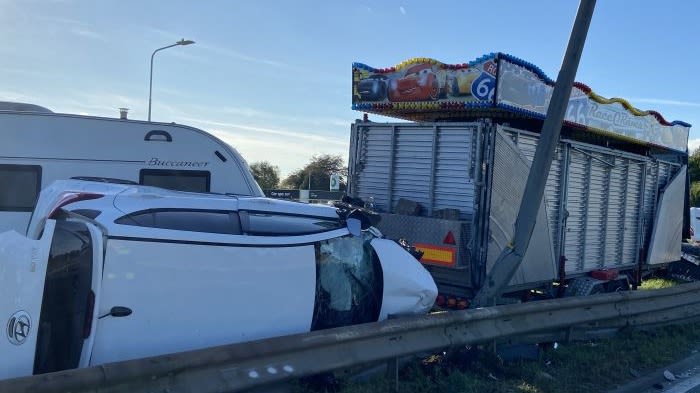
(273, 78)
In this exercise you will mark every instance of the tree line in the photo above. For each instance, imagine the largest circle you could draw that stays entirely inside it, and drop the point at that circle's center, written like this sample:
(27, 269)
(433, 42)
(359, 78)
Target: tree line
(694, 174)
(316, 175)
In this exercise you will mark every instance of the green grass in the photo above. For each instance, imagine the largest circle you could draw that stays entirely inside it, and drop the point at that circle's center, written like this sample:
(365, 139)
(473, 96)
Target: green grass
(658, 283)
(581, 367)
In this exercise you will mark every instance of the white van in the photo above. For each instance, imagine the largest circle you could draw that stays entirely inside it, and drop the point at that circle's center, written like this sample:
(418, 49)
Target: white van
(111, 272)
(39, 146)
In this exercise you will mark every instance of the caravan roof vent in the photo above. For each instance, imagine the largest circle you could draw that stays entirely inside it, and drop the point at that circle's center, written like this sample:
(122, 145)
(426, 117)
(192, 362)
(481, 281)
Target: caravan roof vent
(22, 107)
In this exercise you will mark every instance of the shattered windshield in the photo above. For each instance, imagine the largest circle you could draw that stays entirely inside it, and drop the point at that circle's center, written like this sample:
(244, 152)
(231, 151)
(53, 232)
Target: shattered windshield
(349, 282)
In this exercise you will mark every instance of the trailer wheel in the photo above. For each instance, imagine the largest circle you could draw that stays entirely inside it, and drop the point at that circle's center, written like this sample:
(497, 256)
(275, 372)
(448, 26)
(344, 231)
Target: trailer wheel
(619, 285)
(598, 288)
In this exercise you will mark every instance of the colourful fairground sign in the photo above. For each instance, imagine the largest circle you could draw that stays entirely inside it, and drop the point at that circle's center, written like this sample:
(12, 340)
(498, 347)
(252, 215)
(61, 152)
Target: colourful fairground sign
(424, 89)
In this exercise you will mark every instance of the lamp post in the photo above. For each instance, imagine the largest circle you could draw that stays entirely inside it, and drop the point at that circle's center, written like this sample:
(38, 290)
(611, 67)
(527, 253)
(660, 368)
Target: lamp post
(182, 42)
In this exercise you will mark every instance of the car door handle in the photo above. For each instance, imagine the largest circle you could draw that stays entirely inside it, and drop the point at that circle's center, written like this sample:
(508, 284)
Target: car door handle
(117, 311)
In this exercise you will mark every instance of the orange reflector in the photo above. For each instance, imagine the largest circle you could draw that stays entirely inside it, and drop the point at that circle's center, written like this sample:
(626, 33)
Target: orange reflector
(449, 239)
(438, 255)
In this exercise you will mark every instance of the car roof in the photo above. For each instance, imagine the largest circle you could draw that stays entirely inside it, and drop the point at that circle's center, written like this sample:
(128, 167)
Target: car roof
(115, 201)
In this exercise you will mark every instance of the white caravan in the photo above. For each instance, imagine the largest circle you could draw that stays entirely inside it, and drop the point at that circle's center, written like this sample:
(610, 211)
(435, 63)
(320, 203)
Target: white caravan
(39, 146)
(111, 272)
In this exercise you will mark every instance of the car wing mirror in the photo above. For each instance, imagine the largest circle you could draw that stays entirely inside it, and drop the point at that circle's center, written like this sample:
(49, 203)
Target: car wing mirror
(357, 222)
(354, 226)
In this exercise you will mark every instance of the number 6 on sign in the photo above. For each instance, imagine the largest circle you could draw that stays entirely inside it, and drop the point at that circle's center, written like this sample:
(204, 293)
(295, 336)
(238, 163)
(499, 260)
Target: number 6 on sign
(483, 87)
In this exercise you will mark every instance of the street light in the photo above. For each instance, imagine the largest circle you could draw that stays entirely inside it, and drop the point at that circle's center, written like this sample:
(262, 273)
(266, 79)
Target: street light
(182, 42)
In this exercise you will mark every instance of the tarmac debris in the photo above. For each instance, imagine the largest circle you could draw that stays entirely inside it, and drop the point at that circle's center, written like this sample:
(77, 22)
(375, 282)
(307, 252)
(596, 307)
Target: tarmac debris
(669, 376)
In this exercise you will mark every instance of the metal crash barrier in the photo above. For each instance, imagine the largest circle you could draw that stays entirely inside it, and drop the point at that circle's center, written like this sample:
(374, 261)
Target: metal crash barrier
(242, 366)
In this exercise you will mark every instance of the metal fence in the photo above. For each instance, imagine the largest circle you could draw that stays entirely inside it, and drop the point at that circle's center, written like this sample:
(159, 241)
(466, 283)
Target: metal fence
(242, 366)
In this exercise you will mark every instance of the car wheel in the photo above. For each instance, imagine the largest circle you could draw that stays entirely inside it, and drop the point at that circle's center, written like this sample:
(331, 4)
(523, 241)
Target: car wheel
(383, 92)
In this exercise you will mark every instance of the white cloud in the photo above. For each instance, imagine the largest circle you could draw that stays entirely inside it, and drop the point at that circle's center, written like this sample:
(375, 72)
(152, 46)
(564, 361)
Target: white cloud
(163, 33)
(297, 135)
(265, 115)
(9, 95)
(288, 149)
(88, 34)
(660, 101)
(217, 49)
(403, 10)
(59, 20)
(26, 72)
(242, 56)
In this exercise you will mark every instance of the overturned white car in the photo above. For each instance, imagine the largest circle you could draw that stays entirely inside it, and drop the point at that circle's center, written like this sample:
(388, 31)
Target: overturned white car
(111, 272)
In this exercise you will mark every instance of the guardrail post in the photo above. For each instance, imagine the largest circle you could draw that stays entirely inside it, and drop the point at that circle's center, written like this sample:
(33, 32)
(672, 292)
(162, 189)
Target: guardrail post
(392, 365)
(392, 371)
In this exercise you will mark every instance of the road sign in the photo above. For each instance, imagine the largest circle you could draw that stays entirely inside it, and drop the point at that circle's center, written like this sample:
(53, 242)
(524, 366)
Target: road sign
(335, 182)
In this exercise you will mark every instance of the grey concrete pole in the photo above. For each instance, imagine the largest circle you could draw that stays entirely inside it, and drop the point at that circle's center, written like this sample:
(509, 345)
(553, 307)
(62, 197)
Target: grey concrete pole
(510, 259)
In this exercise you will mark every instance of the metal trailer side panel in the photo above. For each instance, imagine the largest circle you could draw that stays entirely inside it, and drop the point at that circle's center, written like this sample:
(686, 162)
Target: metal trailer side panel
(371, 166)
(577, 208)
(454, 170)
(527, 143)
(615, 215)
(651, 181)
(510, 169)
(632, 212)
(603, 199)
(594, 237)
(353, 151)
(432, 164)
(412, 166)
(665, 245)
(658, 174)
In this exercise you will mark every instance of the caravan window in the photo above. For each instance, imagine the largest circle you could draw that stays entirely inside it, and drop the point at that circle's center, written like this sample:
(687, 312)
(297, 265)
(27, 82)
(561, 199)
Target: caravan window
(19, 187)
(210, 221)
(193, 181)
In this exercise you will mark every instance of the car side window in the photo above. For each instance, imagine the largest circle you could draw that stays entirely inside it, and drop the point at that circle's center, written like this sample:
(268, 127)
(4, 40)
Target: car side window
(208, 221)
(275, 224)
(65, 309)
